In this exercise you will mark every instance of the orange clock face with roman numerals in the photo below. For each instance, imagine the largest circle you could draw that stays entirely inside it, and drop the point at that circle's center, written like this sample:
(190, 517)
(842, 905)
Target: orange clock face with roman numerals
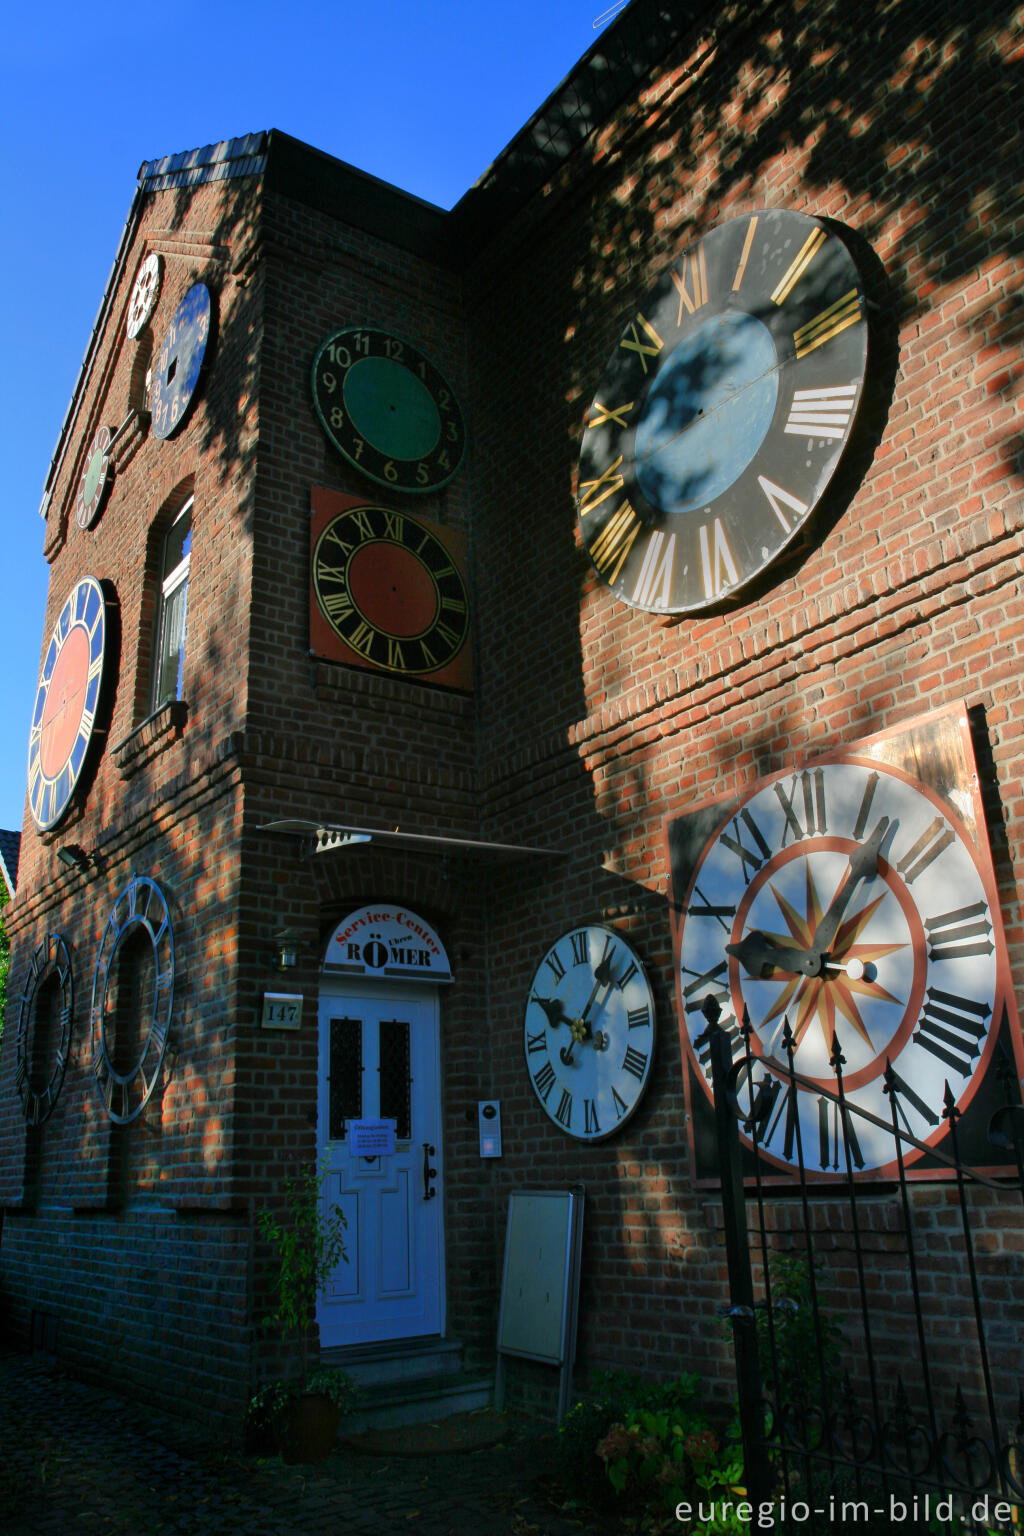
(849, 898)
(389, 591)
(66, 703)
(723, 412)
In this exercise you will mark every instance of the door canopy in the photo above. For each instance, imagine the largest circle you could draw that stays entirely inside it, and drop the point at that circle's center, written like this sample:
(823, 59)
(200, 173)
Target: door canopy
(387, 943)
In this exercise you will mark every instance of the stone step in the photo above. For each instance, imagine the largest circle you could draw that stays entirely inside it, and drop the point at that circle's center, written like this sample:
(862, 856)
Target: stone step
(388, 1405)
(374, 1365)
(409, 1381)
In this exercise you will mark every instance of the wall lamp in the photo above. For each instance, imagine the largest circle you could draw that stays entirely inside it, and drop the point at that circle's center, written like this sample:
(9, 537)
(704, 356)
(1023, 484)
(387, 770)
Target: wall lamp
(74, 857)
(286, 944)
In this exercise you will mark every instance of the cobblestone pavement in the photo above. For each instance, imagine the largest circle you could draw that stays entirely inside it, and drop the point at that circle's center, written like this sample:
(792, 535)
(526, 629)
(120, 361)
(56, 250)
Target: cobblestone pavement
(78, 1461)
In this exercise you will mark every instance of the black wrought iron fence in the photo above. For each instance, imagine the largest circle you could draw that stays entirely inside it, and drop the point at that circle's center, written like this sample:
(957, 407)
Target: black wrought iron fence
(878, 1329)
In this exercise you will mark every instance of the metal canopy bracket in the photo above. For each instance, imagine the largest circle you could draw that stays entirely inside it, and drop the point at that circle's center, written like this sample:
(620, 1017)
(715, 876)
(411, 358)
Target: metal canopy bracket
(331, 838)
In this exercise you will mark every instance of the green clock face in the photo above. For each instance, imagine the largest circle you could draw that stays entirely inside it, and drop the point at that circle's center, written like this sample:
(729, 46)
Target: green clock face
(388, 410)
(723, 412)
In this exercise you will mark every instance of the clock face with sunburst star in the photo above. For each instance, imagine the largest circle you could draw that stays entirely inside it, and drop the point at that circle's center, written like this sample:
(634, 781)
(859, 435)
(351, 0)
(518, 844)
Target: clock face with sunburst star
(849, 902)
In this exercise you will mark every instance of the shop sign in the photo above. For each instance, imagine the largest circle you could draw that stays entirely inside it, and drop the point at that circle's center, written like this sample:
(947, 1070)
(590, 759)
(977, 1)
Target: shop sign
(387, 942)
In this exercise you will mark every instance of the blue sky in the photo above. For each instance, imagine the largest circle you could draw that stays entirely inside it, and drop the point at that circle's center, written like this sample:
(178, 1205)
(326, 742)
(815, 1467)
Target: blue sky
(423, 95)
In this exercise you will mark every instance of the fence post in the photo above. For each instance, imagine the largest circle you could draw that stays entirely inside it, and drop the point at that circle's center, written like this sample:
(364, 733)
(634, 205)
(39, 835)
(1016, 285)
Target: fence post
(737, 1249)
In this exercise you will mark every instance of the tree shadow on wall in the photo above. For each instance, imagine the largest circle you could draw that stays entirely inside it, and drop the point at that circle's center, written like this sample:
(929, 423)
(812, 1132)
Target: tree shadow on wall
(903, 120)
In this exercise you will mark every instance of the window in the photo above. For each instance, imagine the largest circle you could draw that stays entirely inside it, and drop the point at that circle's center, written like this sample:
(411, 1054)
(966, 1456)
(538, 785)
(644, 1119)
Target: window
(168, 673)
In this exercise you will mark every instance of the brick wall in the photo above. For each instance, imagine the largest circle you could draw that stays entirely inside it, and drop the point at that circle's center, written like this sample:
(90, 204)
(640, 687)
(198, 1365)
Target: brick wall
(906, 598)
(138, 1212)
(589, 723)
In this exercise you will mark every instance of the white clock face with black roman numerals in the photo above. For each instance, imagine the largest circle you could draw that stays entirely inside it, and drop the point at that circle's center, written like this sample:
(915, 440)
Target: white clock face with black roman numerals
(723, 412)
(850, 900)
(589, 1032)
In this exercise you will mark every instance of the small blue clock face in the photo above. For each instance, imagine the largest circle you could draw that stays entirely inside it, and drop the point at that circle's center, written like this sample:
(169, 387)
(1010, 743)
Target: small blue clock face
(723, 412)
(179, 361)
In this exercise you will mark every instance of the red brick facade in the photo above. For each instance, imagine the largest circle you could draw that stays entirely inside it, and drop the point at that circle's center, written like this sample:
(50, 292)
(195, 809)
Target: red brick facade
(590, 723)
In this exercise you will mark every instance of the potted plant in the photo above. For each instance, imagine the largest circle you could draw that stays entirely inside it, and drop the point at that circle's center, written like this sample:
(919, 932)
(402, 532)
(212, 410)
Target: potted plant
(301, 1416)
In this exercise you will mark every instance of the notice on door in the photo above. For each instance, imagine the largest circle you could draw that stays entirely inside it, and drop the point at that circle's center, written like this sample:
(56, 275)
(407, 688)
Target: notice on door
(371, 1138)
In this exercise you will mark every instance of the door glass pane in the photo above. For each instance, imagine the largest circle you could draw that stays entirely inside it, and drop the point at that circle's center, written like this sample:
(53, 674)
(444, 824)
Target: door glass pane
(345, 1083)
(396, 1076)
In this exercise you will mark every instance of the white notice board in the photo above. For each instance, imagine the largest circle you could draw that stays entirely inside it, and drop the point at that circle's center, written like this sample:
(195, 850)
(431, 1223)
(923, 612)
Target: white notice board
(541, 1279)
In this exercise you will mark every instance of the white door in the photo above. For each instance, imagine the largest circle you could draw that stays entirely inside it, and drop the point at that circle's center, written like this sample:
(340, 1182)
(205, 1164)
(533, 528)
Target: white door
(380, 1060)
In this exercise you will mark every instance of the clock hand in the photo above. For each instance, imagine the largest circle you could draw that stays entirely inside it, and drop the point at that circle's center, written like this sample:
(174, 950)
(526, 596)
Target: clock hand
(759, 955)
(863, 865)
(603, 979)
(552, 1006)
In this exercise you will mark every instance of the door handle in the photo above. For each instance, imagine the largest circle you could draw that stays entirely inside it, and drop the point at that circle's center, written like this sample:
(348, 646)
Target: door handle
(428, 1172)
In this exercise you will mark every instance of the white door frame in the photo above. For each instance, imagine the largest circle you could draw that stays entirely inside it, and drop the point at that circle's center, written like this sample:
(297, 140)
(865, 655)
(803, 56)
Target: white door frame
(349, 1315)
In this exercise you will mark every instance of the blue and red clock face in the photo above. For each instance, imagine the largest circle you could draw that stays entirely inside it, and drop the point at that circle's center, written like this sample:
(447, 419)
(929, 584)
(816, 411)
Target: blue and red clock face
(66, 702)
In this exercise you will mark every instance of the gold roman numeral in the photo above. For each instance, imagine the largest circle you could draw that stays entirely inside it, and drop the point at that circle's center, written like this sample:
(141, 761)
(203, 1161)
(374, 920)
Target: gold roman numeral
(798, 266)
(696, 296)
(616, 413)
(593, 492)
(614, 542)
(335, 537)
(844, 312)
(361, 639)
(636, 345)
(337, 605)
(744, 254)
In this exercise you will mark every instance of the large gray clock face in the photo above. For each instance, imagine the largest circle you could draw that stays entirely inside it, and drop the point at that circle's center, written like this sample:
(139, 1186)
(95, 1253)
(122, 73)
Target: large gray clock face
(723, 412)
(588, 1032)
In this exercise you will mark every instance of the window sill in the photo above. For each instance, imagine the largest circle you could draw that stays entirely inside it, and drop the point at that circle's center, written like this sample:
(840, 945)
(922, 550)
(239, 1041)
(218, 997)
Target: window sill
(164, 726)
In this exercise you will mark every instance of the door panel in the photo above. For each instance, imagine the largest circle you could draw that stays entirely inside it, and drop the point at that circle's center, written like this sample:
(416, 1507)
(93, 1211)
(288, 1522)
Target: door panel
(380, 1060)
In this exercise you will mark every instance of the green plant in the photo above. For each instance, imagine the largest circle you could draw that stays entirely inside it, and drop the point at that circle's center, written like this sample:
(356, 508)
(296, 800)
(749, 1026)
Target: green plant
(337, 1386)
(265, 1408)
(271, 1402)
(613, 1396)
(308, 1244)
(788, 1345)
(662, 1459)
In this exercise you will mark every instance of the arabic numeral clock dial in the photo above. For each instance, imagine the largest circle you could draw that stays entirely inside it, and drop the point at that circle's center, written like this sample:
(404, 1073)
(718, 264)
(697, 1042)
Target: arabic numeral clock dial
(145, 292)
(588, 1032)
(64, 715)
(723, 412)
(388, 410)
(179, 361)
(846, 899)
